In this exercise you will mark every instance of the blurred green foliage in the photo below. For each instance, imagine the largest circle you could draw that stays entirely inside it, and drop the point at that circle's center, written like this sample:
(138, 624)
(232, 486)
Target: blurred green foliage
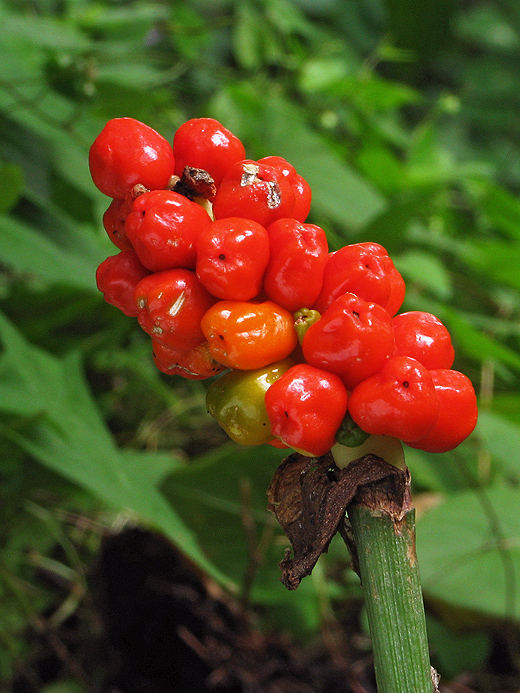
(405, 119)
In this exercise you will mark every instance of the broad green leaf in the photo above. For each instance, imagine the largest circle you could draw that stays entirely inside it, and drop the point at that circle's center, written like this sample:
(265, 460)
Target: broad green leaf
(339, 192)
(44, 32)
(499, 207)
(29, 252)
(425, 270)
(64, 431)
(498, 261)
(212, 495)
(247, 36)
(477, 344)
(321, 73)
(219, 497)
(502, 438)
(11, 185)
(469, 551)
(455, 652)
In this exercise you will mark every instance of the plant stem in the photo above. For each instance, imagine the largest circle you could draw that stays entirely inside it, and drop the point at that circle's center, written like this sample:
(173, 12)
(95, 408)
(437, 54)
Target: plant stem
(390, 578)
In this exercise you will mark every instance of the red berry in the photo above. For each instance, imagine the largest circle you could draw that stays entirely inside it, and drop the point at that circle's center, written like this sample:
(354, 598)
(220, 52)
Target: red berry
(163, 228)
(114, 221)
(357, 270)
(281, 165)
(171, 305)
(398, 401)
(232, 255)
(117, 277)
(254, 191)
(306, 406)
(127, 152)
(301, 189)
(353, 338)
(423, 337)
(458, 412)
(194, 364)
(397, 284)
(205, 143)
(302, 198)
(294, 274)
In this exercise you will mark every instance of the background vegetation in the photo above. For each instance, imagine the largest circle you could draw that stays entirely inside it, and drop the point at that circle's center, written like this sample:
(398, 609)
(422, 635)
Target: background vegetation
(405, 119)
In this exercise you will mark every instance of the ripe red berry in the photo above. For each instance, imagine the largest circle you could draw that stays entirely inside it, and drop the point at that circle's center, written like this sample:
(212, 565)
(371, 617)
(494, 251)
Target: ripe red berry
(306, 406)
(423, 337)
(358, 270)
(294, 274)
(301, 189)
(205, 143)
(171, 305)
(163, 228)
(127, 152)
(281, 165)
(194, 364)
(254, 191)
(302, 198)
(114, 221)
(398, 401)
(117, 277)
(232, 255)
(397, 283)
(353, 338)
(458, 412)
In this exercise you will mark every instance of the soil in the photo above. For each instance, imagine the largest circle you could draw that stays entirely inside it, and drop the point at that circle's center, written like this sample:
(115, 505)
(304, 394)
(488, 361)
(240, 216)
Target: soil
(155, 624)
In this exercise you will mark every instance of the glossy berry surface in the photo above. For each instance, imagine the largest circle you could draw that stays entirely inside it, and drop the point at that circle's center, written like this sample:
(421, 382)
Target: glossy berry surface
(298, 254)
(306, 406)
(171, 305)
(247, 335)
(458, 412)
(220, 268)
(117, 277)
(114, 221)
(423, 336)
(194, 364)
(232, 255)
(206, 144)
(254, 191)
(353, 338)
(126, 153)
(163, 229)
(398, 401)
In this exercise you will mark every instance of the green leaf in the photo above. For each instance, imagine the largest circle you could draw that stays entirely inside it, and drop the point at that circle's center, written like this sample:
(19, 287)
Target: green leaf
(247, 38)
(45, 32)
(11, 185)
(219, 497)
(427, 271)
(502, 439)
(454, 652)
(63, 430)
(499, 207)
(469, 551)
(210, 498)
(29, 252)
(339, 192)
(477, 344)
(498, 261)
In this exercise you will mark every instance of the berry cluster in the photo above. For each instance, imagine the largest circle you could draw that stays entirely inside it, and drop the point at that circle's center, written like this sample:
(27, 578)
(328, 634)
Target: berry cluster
(218, 265)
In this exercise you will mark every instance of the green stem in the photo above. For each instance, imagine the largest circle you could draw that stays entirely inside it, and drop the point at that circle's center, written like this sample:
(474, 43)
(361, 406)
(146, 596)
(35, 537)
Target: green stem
(390, 578)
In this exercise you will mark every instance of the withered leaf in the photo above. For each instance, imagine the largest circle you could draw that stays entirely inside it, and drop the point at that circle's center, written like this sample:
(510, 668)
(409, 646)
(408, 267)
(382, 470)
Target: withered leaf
(309, 497)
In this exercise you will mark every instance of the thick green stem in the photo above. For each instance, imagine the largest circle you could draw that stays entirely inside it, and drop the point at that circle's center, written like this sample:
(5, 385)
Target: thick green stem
(390, 578)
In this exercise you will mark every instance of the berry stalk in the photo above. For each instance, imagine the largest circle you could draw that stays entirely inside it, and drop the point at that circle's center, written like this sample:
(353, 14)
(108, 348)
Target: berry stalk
(387, 560)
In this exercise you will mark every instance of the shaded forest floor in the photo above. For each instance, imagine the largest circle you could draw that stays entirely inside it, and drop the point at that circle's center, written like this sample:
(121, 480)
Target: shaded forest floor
(155, 625)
